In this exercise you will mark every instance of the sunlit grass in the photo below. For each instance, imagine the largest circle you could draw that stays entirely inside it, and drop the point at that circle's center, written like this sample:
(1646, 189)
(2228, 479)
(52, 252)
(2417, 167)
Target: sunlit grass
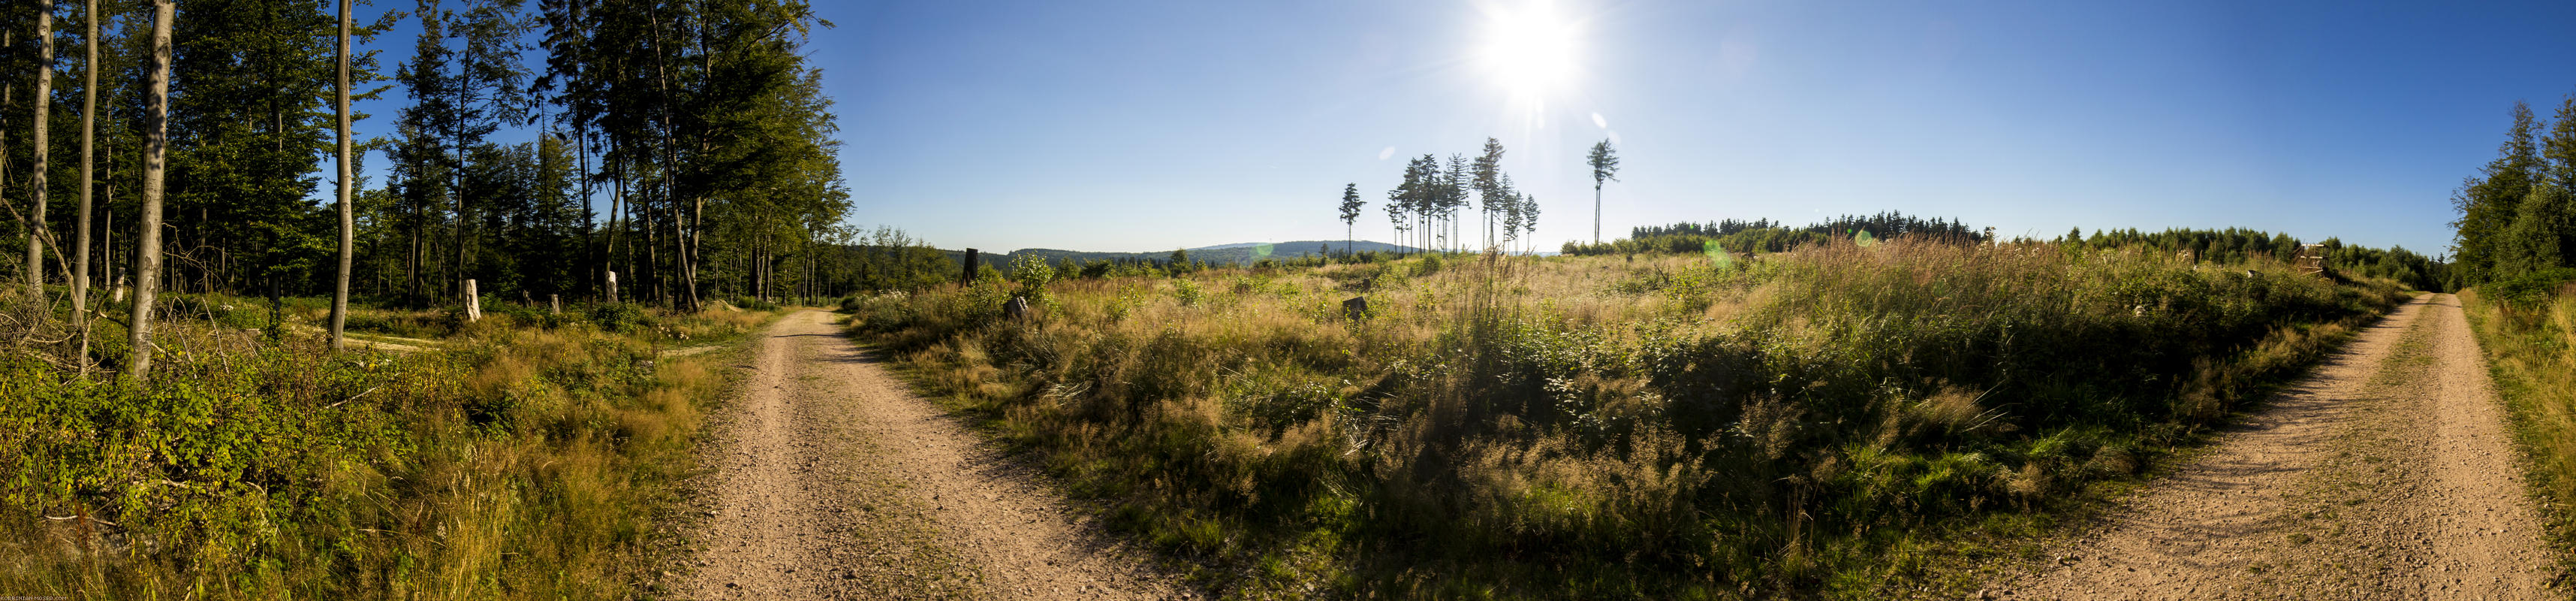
(516, 460)
(1840, 420)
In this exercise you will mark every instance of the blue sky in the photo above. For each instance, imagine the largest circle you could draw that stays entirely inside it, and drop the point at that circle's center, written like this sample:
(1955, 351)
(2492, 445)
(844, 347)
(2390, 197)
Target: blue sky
(1143, 126)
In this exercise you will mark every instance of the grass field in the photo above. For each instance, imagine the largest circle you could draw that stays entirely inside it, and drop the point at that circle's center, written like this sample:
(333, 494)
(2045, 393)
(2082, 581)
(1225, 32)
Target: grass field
(527, 456)
(1847, 421)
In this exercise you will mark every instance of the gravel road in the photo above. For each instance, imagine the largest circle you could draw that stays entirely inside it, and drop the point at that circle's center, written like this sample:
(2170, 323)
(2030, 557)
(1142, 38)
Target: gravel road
(2386, 474)
(832, 481)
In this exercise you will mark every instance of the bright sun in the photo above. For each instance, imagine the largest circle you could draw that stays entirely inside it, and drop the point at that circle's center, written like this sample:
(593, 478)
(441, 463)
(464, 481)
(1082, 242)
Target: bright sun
(1530, 50)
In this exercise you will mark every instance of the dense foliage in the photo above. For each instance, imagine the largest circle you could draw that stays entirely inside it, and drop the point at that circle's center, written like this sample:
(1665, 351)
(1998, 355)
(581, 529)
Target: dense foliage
(686, 145)
(2518, 216)
(1662, 427)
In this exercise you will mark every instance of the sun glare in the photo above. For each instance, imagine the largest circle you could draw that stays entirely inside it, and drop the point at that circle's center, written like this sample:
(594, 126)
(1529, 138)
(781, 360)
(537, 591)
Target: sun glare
(1529, 50)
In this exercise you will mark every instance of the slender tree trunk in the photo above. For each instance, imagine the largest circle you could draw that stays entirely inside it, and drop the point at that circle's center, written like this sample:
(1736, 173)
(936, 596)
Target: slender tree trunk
(348, 211)
(36, 231)
(156, 140)
(81, 240)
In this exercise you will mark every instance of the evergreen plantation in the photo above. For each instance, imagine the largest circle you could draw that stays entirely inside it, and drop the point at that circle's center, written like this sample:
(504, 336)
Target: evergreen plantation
(684, 145)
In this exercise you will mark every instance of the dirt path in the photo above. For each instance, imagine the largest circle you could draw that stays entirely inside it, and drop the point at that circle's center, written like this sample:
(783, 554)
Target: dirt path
(2387, 474)
(832, 481)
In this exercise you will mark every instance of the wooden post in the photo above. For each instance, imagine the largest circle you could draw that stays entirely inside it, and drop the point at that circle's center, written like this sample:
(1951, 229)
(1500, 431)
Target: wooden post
(554, 304)
(473, 303)
(612, 286)
(969, 278)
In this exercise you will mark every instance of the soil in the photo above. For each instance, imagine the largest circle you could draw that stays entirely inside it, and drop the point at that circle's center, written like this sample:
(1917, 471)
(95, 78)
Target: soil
(830, 480)
(2386, 474)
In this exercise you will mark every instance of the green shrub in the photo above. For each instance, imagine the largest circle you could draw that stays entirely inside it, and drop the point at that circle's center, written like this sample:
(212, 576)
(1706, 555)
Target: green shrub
(619, 317)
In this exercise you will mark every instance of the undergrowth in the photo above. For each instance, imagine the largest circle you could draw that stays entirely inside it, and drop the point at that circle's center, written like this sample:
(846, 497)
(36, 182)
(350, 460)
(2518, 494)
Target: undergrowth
(521, 462)
(1843, 421)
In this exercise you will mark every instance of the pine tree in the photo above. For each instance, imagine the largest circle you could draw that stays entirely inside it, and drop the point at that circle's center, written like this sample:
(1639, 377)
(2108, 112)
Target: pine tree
(1490, 189)
(2489, 204)
(1605, 168)
(1351, 205)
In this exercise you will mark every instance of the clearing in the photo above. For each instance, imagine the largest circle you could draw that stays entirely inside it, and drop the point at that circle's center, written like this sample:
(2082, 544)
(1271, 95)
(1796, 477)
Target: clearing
(831, 480)
(2387, 474)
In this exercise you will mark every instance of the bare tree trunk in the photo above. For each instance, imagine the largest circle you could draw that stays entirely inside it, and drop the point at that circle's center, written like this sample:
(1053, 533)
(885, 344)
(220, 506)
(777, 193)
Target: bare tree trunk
(348, 212)
(156, 140)
(36, 232)
(81, 239)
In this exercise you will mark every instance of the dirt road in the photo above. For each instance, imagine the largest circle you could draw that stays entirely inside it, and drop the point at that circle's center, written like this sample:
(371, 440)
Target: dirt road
(2387, 474)
(832, 481)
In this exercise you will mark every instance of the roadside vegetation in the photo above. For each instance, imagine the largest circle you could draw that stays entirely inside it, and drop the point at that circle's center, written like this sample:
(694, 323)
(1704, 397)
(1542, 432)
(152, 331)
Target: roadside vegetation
(1851, 419)
(527, 455)
(2527, 326)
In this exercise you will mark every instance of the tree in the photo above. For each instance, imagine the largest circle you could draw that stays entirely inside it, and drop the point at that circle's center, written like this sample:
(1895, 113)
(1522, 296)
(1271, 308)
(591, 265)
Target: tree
(36, 232)
(1454, 186)
(347, 210)
(2536, 240)
(1350, 213)
(1605, 168)
(81, 223)
(2490, 203)
(1492, 191)
(147, 250)
(1529, 216)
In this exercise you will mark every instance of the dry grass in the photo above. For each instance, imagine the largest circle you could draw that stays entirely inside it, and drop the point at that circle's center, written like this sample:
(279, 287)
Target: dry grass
(2531, 350)
(1826, 421)
(519, 462)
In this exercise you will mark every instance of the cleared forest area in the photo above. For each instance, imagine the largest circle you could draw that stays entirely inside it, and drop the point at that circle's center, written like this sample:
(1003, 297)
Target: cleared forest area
(1846, 419)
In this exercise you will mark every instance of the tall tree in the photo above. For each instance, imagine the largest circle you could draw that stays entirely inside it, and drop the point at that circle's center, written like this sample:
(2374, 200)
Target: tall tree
(81, 227)
(36, 232)
(2489, 204)
(147, 250)
(1350, 214)
(1490, 195)
(1605, 168)
(1529, 216)
(347, 209)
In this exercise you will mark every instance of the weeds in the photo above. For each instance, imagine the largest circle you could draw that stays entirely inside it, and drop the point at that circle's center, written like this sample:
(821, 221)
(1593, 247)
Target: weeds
(524, 463)
(1828, 421)
(2530, 343)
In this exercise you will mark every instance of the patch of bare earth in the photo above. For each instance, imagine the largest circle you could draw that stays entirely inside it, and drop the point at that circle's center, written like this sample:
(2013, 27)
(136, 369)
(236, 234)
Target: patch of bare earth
(831, 480)
(2387, 474)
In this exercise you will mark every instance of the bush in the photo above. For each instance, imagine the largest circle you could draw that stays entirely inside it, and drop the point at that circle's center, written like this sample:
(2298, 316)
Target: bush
(619, 317)
(2529, 291)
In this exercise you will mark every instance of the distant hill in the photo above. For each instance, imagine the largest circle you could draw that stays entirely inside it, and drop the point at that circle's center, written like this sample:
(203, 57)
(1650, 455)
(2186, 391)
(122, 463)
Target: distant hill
(1238, 253)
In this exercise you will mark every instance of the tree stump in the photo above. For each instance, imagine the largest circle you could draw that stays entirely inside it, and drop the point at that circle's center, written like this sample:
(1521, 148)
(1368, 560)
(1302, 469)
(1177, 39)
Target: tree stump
(473, 303)
(554, 304)
(1356, 308)
(1017, 309)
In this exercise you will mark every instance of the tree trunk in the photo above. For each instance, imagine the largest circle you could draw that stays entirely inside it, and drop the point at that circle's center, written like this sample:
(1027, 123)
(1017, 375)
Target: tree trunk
(81, 239)
(348, 211)
(156, 140)
(36, 232)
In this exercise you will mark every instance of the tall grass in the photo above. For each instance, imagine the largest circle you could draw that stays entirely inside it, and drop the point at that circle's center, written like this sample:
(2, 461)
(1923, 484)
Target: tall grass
(1824, 421)
(523, 463)
(2530, 344)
